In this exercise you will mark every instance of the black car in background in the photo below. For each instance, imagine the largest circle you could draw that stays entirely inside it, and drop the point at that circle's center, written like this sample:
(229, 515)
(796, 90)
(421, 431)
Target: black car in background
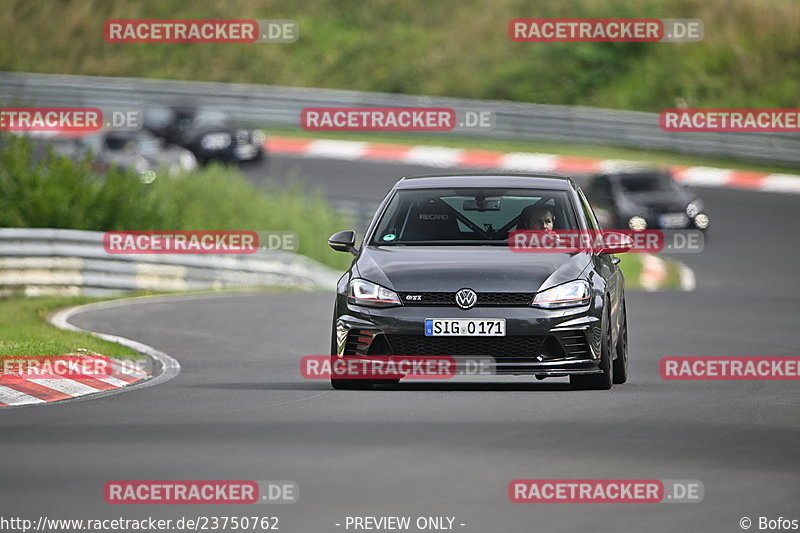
(210, 134)
(645, 198)
(435, 276)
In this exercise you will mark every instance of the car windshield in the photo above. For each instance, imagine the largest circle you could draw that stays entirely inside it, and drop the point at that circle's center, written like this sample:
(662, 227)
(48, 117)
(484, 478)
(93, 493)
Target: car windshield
(140, 142)
(118, 142)
(211, 117)
(644, 183)
(470, 216)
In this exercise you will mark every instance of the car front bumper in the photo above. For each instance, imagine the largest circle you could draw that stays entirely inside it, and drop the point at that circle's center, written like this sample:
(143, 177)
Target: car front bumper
(537, 341)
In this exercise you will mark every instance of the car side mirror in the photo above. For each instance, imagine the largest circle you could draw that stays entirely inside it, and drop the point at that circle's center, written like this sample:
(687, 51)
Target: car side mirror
(344, 241)
(615, 243)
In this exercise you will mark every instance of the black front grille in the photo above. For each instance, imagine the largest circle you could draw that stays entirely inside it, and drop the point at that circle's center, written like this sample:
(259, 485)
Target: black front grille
(528, 346)
(485, 299)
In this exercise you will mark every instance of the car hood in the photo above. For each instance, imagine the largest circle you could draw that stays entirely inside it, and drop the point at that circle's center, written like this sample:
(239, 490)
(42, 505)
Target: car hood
(162, 157)
(481, 268)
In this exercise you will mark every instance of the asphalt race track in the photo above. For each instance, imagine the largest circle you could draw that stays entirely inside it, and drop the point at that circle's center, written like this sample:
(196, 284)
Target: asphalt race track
(239, 409)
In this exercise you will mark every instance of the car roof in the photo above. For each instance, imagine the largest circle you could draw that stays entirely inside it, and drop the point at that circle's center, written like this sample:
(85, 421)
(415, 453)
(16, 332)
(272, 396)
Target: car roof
(511, 181)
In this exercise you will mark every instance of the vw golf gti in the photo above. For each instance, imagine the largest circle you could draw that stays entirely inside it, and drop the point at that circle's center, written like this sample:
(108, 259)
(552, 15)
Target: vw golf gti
(436, 276)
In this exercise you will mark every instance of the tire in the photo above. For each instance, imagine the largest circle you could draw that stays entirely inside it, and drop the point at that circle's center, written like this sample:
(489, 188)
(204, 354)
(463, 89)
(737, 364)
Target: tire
(598, 381)
(620, 374)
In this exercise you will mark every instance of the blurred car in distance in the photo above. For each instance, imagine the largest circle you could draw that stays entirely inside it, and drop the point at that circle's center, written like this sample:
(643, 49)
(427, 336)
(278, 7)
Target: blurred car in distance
(645, 198)
(210, 134)
(149, 156)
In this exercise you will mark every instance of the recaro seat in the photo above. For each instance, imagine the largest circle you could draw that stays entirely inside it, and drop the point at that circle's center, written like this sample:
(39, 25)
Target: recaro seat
(431, 219)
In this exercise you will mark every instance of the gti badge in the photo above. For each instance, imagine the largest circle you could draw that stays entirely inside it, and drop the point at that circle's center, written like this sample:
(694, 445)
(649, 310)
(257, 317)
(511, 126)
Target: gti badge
(466, 298)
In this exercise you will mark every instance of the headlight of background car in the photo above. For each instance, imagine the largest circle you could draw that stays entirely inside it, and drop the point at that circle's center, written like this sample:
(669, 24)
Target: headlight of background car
(215, 141)
(144, 170)
(570, 294)
(369, 294)
(695, 207)
(258, 137)
(637, 223)
(187, 160)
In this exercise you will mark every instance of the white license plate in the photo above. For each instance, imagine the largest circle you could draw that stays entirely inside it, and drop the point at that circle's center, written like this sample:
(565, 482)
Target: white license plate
(465, 327)
(674, 220)
(245, 151)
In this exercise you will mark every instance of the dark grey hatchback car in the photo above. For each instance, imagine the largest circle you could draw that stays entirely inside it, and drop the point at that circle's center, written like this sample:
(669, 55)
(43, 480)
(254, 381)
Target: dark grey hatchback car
(435, 276)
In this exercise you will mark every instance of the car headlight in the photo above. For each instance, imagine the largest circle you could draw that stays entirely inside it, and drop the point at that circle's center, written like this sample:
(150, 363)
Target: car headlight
(701, 221)
(141, 165)
(148, 176)
(215, 141)
(637, 223)
(363, 292)
(570, 294)
(694, 208)
(258, 137)
(187, 160)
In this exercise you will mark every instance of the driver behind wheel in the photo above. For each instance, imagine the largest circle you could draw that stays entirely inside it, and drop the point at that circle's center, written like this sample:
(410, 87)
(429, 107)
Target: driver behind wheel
(536, 217)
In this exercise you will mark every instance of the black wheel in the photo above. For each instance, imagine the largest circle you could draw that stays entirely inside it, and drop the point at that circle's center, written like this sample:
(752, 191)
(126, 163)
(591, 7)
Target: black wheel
(604, 380)
(621, 362)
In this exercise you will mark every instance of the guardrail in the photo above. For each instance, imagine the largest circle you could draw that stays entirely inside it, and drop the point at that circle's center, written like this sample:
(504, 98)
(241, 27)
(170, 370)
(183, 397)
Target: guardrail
(266, 105)
(359, 211)
(71, 262)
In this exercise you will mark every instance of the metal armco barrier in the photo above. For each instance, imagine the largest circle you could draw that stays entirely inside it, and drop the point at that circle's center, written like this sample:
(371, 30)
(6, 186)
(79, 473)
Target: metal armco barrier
(57, 261)
(265, 106)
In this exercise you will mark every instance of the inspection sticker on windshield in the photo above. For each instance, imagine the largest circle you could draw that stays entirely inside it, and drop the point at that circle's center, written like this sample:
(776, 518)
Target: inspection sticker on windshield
(469, 327)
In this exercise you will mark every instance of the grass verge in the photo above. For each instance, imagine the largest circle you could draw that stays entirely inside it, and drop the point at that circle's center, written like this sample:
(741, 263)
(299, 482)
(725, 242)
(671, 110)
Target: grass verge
(24, 329)
(749, 55)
